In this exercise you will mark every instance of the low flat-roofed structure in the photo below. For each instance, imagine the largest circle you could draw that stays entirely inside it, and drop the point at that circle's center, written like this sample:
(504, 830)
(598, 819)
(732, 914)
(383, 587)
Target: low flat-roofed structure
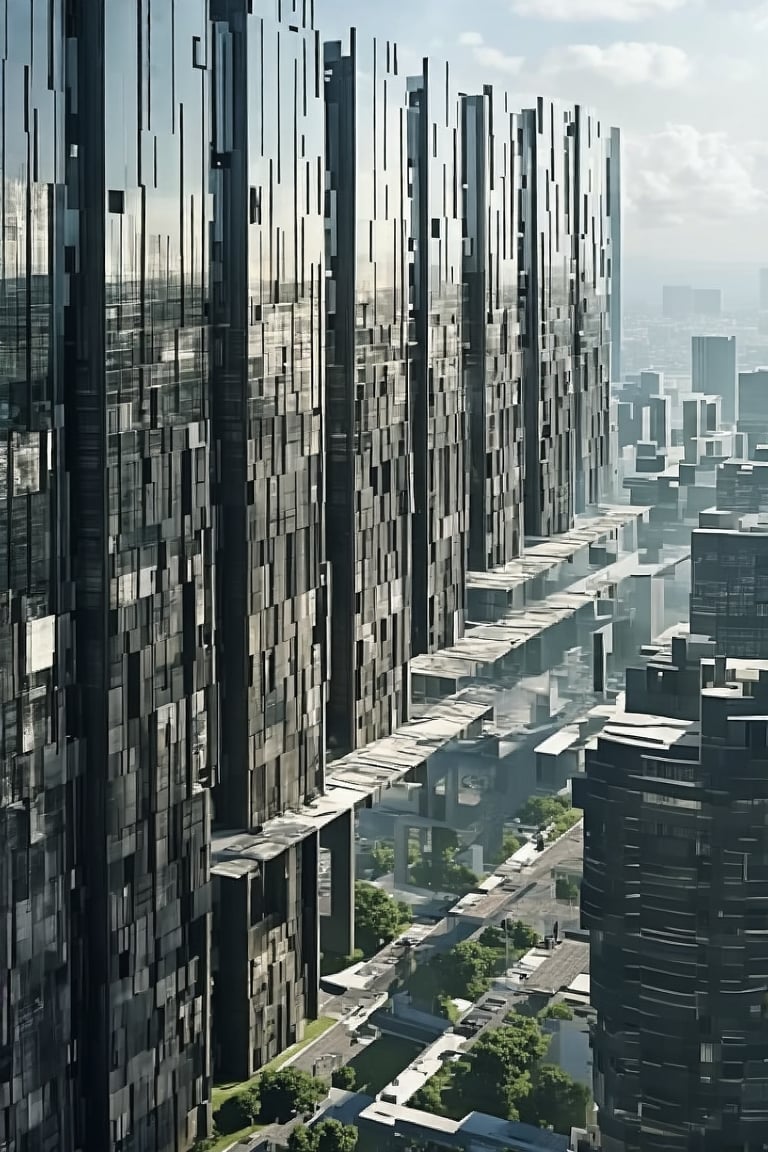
(476, 1132)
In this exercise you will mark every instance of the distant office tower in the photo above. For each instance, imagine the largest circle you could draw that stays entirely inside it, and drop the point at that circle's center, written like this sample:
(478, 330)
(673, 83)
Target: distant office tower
(742, 487)
(729, 593)
(41, 948)
(439, 425)
(753, 407)
(615, 214)
(136, 414)
(763, 290)
(713, 361)
(593, 173)
(368, 348)
(707, 301)
(550, 318)
(673, 894)
(677, 302)
(268, 399)
(493, 361)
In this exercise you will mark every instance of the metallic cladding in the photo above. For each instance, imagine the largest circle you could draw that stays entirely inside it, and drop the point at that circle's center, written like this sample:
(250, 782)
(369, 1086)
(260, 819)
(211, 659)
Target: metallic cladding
(492, 178)
(40, 951)
(370, 337)
(268, 412)
(439, 422)
(137, 417)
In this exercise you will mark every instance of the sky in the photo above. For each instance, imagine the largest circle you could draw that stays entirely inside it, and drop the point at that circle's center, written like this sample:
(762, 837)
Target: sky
(685, 80)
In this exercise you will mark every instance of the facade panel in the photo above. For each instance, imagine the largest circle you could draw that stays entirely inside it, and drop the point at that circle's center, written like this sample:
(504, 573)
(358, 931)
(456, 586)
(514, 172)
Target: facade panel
(550, 227)
(369, 346)
(268, 411)
(593, 226)
(438, 410)
(136, 411)
(39, 861)
(493, 364)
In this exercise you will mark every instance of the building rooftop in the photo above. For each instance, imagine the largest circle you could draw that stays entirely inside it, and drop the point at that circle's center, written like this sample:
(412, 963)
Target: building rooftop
(560, 967)
(652, 732)
(475, 1130)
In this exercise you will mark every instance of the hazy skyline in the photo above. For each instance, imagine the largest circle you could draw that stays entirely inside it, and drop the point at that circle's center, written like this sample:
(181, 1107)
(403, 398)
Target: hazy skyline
(684, 79)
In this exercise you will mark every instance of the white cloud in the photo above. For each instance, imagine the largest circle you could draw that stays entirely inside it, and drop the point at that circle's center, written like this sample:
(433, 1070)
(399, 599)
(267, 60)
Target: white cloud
(489, 57)
(681, 176)
(624, 63)
(576, 10)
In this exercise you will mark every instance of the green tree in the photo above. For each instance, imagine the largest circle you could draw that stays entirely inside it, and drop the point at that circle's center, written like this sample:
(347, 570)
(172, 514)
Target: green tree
(466, 970)
(383, 859)
(522, 936)
(345, 1078)
(492, 937)
(557, 1011)
(238, 1111)
(556, 1100)
(496, 1077)
(378, 917)
(539, 811)
(326, 1136)
(565, 889)
(286, 1092)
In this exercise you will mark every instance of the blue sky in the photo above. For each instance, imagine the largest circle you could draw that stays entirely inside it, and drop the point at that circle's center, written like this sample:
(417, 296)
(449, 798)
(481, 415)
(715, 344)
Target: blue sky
(686, 80)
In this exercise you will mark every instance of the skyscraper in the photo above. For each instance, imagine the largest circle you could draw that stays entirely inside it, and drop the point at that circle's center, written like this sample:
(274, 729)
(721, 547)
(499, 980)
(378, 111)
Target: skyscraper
(40, 945)
(616, 277)
(493, 365)
(550, 318)
(268, 412)
(729, 586)
(713, 360)
(137, 427)
(673, 895)
(440, 522)
(368, 350)
(597, 231)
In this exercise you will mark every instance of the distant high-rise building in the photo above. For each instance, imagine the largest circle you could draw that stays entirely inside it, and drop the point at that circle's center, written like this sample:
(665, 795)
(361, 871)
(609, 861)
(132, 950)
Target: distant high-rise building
(493, 365)
(713, 361)
(742, 487)
(752, 407)
(439, 422)
(673, 894)
(763, 290)
(616, 274)
(707, 301)
(729, 587)
(677, 301)
(368, 352)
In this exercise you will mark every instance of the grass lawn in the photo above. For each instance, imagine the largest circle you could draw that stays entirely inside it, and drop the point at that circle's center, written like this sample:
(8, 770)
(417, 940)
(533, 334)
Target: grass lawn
(379, 1063)
(233, 1137)
(313, 1029)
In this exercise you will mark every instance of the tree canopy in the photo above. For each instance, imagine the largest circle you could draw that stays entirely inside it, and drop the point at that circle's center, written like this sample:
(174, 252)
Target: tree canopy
(286, 1092)
(502, 1074)
(378, 917)
(325, 1136)
(556, 1100)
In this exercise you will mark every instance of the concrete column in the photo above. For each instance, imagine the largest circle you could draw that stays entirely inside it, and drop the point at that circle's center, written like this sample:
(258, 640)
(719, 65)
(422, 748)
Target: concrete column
(337, 931)
(402, 830)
